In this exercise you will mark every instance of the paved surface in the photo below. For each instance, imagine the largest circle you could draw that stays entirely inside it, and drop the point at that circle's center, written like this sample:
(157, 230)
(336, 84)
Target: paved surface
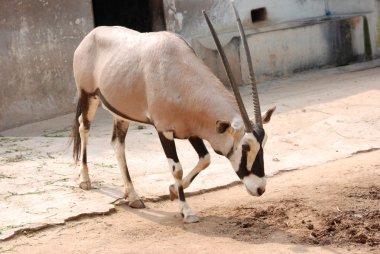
(321, 116)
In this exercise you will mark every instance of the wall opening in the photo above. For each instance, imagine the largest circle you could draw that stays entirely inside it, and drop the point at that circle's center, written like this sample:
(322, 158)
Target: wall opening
(258, 15)
(139, 15)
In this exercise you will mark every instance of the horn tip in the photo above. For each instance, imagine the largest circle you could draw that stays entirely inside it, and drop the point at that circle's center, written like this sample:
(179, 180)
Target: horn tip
(234, 8)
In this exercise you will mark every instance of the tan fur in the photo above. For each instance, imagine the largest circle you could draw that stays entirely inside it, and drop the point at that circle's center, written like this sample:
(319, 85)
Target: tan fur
(156, 78)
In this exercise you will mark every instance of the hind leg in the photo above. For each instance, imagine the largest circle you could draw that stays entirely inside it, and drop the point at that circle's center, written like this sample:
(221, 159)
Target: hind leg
(88, 105)
(120, 129)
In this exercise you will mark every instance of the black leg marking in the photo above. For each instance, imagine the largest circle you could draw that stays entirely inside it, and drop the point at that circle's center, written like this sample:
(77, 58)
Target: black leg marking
(181, 193)
(127, 173)
(119, 132)
(192, 179)
(169, 147)
(84, 158)
(113, 138)
(84, 105)
(201, 150)
(199, 146)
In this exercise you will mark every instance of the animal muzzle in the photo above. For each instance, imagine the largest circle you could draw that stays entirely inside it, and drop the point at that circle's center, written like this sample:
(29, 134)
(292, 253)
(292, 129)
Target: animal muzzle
(255, 185)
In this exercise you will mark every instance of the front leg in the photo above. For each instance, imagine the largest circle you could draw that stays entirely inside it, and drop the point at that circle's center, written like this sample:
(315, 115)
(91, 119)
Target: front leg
(204, 162)
(167, 141)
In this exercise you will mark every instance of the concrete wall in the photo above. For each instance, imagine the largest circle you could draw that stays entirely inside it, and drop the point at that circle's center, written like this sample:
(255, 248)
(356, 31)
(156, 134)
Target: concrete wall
(378, 27)
(37, 41)
(332, 42)
(296, 34)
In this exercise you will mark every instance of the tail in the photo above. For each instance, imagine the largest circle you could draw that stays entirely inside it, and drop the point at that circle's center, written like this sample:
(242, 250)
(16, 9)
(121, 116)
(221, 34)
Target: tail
(75, 136)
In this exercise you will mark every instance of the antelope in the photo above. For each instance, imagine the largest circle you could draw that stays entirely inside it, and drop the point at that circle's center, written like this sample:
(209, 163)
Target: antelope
(155, 78)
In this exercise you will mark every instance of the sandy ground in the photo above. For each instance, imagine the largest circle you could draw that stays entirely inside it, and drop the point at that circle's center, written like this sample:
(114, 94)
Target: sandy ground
(330, 208)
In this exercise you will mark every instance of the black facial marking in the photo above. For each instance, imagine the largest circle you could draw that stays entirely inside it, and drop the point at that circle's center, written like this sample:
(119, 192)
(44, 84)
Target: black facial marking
(242, 172)
(173, 167)
(169, 147)
(259, 134)
(258, 164)
(181, 193)
(246, 148)
(199, 146)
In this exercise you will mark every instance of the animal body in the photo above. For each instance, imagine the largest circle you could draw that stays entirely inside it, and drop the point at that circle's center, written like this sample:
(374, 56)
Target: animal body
(156, 78)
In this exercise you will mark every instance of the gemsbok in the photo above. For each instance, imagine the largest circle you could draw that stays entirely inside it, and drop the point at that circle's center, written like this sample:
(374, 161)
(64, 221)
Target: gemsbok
(156, 78)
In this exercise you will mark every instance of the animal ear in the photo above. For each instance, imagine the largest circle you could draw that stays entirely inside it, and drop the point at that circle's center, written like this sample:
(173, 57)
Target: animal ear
(266, 116)
(222, 126)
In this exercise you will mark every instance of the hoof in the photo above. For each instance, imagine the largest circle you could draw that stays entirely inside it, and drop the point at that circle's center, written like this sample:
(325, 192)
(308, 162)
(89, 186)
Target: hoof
(136, 204)
(85, 185)
(173, 192)
(191, 219)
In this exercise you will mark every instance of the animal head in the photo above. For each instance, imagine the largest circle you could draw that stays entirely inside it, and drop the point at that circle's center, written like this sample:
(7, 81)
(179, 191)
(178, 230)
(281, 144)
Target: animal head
(247, 157)
(247, 152)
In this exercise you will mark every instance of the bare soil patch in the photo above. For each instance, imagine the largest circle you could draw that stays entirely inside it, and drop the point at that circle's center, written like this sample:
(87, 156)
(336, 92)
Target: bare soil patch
(307, 225)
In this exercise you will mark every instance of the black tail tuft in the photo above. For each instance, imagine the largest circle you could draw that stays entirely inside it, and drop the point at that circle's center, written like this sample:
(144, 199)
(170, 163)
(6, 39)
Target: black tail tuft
(75, 136)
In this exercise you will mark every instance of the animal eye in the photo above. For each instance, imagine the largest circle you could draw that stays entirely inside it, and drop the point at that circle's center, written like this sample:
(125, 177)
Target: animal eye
(246, 148)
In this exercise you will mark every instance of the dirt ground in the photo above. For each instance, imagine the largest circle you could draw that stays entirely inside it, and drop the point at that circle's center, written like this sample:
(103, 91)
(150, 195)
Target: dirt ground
(330, 208)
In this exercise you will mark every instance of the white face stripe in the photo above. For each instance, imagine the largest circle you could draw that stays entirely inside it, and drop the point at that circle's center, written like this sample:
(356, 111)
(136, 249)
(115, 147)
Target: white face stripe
(254, 148)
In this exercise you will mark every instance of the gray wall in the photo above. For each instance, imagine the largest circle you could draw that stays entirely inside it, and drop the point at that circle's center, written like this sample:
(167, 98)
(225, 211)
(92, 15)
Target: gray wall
(37, 41)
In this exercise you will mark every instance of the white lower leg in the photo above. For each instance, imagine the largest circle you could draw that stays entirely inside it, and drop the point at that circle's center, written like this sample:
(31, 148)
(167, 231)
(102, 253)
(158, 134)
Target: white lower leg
(201, 165)
(129, 190)
(84, 178)
(188, 215)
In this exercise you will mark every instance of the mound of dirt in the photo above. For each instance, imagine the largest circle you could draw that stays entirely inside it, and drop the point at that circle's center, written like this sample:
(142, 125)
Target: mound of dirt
(307, 224)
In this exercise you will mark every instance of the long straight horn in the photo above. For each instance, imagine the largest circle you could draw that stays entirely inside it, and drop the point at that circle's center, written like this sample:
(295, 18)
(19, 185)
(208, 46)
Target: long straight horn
(252, 79)
(227, 68)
